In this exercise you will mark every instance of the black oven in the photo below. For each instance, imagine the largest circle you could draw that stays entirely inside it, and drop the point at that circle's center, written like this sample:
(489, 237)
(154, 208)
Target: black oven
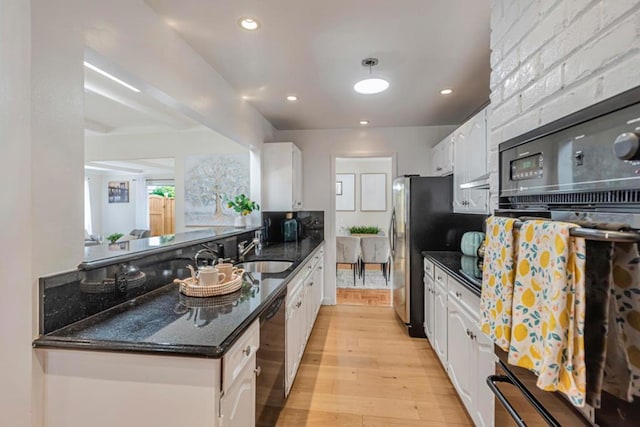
(584, 168)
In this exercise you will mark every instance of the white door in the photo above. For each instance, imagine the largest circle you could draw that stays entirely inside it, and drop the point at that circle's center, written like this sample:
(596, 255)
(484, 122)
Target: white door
(477, 161)
(461, 366)
(429, 307)
(440, 324)
(485, 365)
(460, 167)
(238, 404)
(297, 178)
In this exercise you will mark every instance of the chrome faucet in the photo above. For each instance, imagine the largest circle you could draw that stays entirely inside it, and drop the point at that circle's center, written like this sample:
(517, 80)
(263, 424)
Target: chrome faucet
(255, 243)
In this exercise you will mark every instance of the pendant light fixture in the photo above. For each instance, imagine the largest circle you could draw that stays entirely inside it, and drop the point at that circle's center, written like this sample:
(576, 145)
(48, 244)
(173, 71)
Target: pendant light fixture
(371, 85)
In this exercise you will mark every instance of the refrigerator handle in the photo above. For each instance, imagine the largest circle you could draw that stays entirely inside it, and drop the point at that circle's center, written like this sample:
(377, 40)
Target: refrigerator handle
(392, 233)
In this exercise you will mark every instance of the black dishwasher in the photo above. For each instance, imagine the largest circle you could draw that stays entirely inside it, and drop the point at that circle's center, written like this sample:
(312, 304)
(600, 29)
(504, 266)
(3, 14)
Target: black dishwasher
(270, 362)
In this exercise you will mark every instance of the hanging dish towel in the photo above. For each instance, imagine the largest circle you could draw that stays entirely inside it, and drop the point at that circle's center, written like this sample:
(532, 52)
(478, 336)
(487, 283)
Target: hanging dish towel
(626, 293)
(596, 323)
(549, 308)
(498, 273)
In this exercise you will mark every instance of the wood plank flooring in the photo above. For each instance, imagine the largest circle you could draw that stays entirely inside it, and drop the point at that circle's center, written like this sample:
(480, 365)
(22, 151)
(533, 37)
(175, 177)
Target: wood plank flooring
(371, 297)
(360, 368)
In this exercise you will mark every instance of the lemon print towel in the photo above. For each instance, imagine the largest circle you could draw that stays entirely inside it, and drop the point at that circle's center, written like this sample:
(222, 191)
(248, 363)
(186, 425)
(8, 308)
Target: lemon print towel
(549, 308)
(626, 289)
(498, 273)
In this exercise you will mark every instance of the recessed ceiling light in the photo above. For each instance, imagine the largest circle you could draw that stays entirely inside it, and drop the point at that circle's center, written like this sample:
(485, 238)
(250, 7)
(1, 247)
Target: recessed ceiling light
(249, 24)
(109, 76)
(364, 122)
(292, 98)
(446, 91)
(372, 85)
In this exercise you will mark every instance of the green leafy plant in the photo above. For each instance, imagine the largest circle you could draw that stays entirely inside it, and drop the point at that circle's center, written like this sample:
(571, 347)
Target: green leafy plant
(112, 238)
(364, 229)
(164, 191)
(242, 204)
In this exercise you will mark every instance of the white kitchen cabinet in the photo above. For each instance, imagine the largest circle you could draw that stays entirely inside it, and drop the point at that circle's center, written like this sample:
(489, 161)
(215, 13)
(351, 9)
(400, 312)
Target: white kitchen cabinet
(429, 299)
(440, 317)
(442, 157)
(471, 357)
(470, 162)
(147, 389)
(304, 297)
(460, 364)
(281, 177)
(238, 404)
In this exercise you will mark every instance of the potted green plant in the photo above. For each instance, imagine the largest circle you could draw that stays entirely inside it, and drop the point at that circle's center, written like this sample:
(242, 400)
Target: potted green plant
(244, 206)
(112, 238)
(364, 229)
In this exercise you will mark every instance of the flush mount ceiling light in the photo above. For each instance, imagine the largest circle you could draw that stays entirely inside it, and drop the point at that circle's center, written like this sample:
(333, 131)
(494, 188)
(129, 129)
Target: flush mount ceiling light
(371, 85)
(249, 23)
(446, 91)
(109, 76)
(292, 98)
(364, 122)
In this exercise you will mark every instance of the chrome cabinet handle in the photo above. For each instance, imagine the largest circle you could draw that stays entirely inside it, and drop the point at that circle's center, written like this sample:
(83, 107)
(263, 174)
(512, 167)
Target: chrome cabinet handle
(459, 294)
(258, 371)
(298, 304)
(438, 168)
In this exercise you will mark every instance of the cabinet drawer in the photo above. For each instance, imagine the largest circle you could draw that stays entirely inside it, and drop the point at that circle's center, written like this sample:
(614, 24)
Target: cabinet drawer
(440, 277)
(240, 354)
(464, 297)
(429, 267)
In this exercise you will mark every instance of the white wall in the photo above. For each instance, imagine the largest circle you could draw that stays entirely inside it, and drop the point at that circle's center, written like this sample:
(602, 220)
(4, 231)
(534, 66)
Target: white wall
(41, 110)
(358, 166)
(409, 146)
(177, 145)
(17, 283)
(552, 58)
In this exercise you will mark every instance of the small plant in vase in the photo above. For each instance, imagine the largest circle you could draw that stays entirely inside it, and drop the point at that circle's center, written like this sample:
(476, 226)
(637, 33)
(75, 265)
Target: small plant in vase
(244, 206)
(112, 238)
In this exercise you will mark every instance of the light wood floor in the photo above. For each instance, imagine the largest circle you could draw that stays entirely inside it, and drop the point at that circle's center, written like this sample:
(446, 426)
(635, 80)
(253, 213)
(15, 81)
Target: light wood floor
(360, 368)
(371, 297)
(360, 296)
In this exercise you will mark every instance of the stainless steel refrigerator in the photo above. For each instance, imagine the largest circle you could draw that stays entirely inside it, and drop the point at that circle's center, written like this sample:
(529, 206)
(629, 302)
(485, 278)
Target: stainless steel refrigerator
(422, 220)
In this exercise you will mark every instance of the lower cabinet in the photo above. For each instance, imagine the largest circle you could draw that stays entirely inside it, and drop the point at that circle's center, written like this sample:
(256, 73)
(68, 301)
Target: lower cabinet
(106, 389)
(465, 352)
(440, 323)
(304, 297)
(238, 404)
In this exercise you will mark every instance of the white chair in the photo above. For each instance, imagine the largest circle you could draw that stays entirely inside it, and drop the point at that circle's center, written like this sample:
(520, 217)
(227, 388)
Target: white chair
(348, 252)
(376, 250)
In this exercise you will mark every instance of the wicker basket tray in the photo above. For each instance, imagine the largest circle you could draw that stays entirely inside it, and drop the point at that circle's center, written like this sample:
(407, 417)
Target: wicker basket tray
(190, 287)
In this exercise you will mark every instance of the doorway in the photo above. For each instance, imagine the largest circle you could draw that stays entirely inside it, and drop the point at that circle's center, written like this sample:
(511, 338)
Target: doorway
(362, 217)
(161, 196)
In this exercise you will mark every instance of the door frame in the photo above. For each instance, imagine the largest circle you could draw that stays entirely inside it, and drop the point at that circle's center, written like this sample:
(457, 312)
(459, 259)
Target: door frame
(330, 297)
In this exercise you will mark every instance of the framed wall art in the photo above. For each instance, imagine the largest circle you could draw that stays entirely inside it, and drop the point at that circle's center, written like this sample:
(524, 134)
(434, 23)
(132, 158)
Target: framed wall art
(346, 199)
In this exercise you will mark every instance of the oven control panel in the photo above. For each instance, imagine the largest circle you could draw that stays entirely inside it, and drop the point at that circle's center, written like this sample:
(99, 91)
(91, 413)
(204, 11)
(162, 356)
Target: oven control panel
(527, 167)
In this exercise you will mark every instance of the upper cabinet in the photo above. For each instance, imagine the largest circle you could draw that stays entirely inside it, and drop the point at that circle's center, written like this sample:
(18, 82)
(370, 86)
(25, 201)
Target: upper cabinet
(470, 164)
(442, 157)
(281, 177)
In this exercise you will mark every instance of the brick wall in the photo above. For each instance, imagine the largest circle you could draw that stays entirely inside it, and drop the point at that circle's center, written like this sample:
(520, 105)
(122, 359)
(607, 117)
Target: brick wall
(550, 58)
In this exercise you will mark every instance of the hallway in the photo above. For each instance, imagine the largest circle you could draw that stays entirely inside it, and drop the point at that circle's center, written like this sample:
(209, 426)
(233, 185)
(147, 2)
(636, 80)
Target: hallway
(361, 369)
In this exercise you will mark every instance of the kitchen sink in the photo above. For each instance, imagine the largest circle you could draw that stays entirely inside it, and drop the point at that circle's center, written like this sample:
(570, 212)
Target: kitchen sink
(265, 266)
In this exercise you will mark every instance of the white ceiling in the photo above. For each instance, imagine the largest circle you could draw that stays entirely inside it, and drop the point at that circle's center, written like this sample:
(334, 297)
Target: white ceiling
(313, 49)
(156, 167)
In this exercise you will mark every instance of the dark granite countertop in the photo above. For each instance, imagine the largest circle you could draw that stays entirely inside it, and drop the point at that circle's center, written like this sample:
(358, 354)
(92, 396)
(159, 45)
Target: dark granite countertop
(451, 263)
(165, 321)
(105, 254)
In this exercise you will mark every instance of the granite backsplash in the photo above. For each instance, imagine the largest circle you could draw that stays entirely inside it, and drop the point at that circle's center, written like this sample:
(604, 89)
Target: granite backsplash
(68, 297)
(310, 225)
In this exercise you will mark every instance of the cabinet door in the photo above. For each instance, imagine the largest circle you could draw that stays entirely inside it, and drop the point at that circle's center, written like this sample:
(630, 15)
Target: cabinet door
(461, 156)
(461, 364)
(297, 178)
(436, 160)
(483, 400)
(477, 200)
(440, 324)
(294, 331)
(429, 306)
(238, 404)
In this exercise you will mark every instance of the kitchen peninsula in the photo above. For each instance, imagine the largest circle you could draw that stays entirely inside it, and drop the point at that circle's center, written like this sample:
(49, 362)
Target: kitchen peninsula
(120, 341)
